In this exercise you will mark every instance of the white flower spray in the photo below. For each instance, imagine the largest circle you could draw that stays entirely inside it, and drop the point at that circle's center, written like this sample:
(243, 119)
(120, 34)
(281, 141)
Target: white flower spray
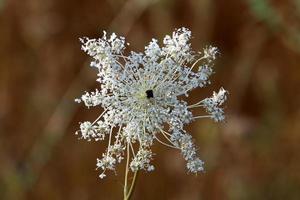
(140, 94)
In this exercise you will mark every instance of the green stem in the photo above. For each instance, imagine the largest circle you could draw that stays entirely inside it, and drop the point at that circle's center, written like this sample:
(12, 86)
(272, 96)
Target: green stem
(126, 173)
(128, 193)
(132, 186)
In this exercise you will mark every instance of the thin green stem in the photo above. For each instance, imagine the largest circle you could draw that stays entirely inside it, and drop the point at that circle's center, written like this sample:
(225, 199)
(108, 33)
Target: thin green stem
(126, 173)
(130, 192)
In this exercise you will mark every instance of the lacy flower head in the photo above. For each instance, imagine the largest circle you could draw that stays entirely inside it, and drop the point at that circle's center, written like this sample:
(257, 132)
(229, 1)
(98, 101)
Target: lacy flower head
(141, 95)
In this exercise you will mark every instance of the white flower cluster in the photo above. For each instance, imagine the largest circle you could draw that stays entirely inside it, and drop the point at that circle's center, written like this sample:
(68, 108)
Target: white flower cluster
(139, 93)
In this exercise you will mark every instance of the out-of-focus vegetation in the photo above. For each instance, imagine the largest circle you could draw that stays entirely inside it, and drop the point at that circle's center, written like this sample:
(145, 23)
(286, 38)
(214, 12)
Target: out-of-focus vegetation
(254, 155)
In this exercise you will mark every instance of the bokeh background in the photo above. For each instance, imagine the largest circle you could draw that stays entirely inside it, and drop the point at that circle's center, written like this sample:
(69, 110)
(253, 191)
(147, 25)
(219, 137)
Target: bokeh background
(253, 155)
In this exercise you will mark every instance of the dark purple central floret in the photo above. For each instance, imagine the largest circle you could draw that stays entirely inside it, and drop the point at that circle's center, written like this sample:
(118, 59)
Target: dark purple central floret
(149, 94)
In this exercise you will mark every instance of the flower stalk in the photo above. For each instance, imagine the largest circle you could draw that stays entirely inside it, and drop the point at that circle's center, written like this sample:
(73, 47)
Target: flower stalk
(128, 191)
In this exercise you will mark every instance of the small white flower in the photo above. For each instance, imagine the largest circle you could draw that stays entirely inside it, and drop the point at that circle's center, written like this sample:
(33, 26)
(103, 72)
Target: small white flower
(210, 53)
(142, 160)
(140, 96)
(214, 103)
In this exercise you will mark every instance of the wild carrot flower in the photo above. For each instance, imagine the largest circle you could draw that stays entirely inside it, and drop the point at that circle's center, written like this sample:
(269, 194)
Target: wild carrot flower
(140, 94)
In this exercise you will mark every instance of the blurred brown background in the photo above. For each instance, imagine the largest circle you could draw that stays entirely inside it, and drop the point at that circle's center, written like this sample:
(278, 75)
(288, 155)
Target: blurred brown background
(254, 155)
